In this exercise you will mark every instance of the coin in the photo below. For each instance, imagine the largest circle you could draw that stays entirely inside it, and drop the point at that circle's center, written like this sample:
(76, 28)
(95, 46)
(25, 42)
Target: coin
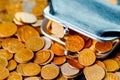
(25, 32)
(111, 76)
(48, 69)
(31, 69)
(14, 76)
(6, 54)
(24, 55)
(74, 43)
(4, 72)
(20, 69)
(12, 64)
(103, 46)
(7, 29)
(3, 61)
(50, 59)
(13, 45)
(35, 43)
(94, 72)
(58, 60)
(42, 56)
(111, 65)
(58, 49)
(86, 57)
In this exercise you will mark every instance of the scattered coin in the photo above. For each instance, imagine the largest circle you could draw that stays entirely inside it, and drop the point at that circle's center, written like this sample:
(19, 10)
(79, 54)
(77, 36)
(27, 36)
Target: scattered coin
(6, 54)
(59, 60)
(74, 43)
(4, 72)
(24, 55)
(42, 56)
(48, 69)
(58, 49)
(3, 61)
(94, 72)
(14, 76)
(111, 76)
(111, 65)
(35, 43)
(7, 29)
(12, 64)
(86, 57)
(25, 32)
(31, 69)
(13, 45)
(103, 46)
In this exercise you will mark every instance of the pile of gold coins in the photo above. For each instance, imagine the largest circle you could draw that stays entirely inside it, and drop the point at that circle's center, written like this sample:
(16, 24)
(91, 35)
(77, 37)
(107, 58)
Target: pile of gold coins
(26, 54)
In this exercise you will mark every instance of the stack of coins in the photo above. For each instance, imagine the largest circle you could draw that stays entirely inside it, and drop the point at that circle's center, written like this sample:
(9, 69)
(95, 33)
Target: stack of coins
(26, 54)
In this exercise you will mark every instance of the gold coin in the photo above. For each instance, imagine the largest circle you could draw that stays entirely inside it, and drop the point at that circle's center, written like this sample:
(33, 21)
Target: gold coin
(103, 46)
(111, 76)
(58, 60)
(74, 43)
(94, 72)
(12, 64)
(86, 57)
(13, 45)
(50, 59)
(24, 55)
(14, 76)
(3, 61)
(31, 69)
(20, 69)
(58, 49)
(4, 72)
(42, 56)
(6, 54)
(50, 71)
(111, 65)
(35, 43)
(26, 32)
(7, 29)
